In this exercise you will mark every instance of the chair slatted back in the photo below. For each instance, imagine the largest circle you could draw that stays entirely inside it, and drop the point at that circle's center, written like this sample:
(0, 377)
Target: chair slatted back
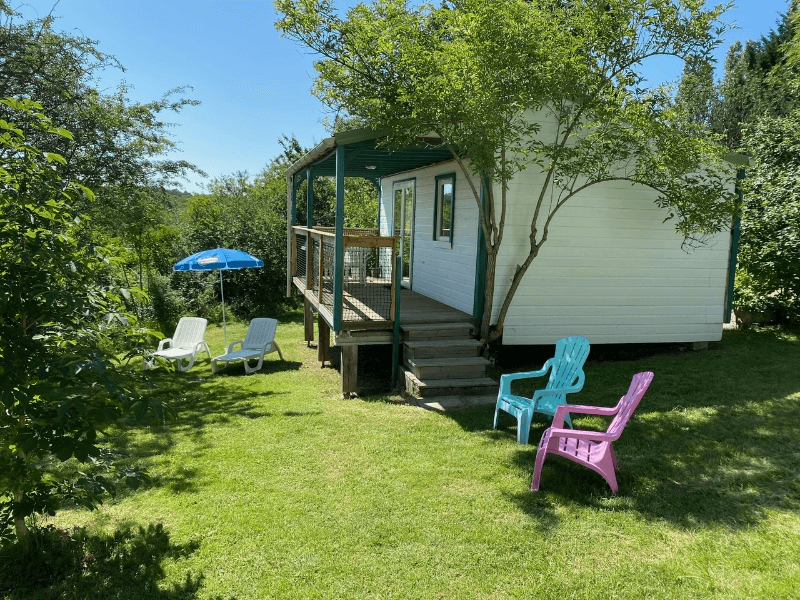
(639, 385)
(567, 364)
(189, 332)
(259, 333)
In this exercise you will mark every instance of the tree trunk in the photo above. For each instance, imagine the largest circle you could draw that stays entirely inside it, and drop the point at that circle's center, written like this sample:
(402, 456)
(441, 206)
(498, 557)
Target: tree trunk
(488, 293)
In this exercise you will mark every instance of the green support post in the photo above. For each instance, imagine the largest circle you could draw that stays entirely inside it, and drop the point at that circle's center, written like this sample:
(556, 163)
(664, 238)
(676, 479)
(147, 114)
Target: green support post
(398, 278)
(338, 249)
(294, 200)
(309, 199)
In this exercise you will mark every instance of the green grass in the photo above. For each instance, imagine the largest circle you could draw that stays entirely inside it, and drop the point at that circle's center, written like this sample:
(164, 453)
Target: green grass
(272, 486)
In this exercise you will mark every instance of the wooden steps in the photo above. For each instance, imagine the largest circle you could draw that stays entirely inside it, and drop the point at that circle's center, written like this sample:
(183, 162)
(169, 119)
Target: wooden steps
(441, 360)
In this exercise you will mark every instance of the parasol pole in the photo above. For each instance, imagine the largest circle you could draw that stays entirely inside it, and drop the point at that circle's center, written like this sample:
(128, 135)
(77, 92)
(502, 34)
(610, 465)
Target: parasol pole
(224, 326)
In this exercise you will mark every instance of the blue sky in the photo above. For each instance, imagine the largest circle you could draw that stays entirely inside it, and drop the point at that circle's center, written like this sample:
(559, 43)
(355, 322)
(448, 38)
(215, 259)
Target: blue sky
(253, 86)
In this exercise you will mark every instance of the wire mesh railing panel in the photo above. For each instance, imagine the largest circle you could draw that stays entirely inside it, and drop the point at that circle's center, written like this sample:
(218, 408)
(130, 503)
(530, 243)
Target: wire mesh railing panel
(301, 243)
(314, 263)
(367, 284)
(327, 273)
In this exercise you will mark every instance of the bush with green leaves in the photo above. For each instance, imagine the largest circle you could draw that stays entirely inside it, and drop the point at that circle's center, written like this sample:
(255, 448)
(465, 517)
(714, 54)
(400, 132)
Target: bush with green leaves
(768, 278)
(60, 383)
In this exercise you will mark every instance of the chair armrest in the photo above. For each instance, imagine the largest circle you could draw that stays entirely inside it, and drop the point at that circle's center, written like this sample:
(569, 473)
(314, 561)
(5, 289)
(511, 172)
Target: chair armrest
(581, 434)
(163, 343)
(563, 409)
(505, 380)
(232, 344)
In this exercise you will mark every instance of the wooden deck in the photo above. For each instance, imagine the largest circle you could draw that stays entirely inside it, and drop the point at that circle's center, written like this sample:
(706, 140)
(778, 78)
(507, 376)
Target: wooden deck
(416, 309)
(368, 307)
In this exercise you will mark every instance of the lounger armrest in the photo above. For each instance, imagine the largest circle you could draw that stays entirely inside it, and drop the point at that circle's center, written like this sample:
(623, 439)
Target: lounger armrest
(163, 343)
(232, 344)
(505, 380)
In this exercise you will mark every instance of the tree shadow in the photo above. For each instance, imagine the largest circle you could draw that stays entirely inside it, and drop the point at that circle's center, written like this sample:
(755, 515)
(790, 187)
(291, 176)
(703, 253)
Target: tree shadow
(201, 401)
(128, 563)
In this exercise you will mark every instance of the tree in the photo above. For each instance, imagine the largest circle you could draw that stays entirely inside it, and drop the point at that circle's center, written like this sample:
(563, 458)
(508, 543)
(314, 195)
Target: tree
(482, 75)
(768, 274)
(60, 384)
(768, 277)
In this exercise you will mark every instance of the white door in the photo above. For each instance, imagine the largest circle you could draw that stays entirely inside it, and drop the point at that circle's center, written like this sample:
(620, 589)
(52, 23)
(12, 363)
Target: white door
(403, 198)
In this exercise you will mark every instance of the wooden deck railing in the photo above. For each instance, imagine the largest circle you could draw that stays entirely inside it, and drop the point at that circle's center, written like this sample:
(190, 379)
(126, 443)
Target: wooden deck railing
(368, 298)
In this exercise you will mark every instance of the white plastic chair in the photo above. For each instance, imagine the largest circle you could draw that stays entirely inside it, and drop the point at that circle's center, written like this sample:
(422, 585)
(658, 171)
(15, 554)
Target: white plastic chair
(259, 341)
(185, 344)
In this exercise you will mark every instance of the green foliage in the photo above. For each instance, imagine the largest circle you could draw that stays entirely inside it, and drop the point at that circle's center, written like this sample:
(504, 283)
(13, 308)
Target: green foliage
(115, 141)
(768, 278)
(59, 384)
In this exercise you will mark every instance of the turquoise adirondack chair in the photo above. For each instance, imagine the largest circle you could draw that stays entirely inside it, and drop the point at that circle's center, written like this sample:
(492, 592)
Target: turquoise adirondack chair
(566, 377)
(592, 449)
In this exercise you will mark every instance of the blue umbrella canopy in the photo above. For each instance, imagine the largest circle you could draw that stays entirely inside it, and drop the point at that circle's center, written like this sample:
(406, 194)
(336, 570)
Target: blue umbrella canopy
(218, 258)
(222, 259)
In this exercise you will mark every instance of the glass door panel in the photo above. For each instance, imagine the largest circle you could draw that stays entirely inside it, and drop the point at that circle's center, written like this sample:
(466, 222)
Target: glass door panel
(404, 225)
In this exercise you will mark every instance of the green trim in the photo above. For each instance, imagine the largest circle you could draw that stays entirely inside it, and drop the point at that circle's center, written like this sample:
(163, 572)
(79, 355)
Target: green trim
(338, 249)
(309, 198)
(737, 223)
(439, 178)
(295, 185)
(398, 280)
(479, 297)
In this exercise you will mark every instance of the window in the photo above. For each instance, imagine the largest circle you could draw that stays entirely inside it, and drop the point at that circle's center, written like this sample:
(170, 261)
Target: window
(443, 208)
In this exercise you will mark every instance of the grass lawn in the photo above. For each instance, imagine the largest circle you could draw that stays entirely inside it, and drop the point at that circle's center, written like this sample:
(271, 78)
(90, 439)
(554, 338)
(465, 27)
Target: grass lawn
(272, 486)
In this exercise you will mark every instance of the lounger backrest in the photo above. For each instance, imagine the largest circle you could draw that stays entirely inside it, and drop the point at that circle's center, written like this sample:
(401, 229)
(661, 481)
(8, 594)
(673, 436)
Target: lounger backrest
(260, 332)
(189, 332)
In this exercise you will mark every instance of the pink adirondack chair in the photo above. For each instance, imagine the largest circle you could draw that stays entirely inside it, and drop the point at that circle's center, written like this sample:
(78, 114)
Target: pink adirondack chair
(592, 449)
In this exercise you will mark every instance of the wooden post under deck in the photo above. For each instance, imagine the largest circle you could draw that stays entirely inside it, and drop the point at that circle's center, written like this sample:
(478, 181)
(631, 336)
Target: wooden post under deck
(308, 320)
(349, 369)
(324, 342)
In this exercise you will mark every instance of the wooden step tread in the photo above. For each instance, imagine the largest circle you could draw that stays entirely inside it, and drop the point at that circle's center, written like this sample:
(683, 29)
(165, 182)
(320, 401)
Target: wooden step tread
(457, 383)
(437, 326)
(449, 362)
(441, 343)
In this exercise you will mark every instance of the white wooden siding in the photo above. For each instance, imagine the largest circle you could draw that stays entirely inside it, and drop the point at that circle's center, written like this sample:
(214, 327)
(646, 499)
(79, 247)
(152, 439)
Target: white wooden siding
(611, 270)
(438, 271)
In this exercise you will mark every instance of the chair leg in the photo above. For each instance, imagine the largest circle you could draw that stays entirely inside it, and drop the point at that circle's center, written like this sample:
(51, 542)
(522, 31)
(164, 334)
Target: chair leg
(524, 426)
(613, 457)
(537, 471)
(248, 369)
(278, 348)
(187, 367)
(496, 416)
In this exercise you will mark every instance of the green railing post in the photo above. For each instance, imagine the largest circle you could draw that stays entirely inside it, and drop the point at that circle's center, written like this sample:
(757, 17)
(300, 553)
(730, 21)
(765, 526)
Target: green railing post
(398, 277)
(309, 199)
(338, 248)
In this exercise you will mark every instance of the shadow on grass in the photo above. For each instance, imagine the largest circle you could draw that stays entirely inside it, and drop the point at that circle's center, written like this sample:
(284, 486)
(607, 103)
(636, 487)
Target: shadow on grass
(75, 564)
(714, 441)
(201, 401)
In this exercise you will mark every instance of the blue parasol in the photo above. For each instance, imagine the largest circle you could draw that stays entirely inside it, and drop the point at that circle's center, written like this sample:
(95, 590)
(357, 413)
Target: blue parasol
(222, 259)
